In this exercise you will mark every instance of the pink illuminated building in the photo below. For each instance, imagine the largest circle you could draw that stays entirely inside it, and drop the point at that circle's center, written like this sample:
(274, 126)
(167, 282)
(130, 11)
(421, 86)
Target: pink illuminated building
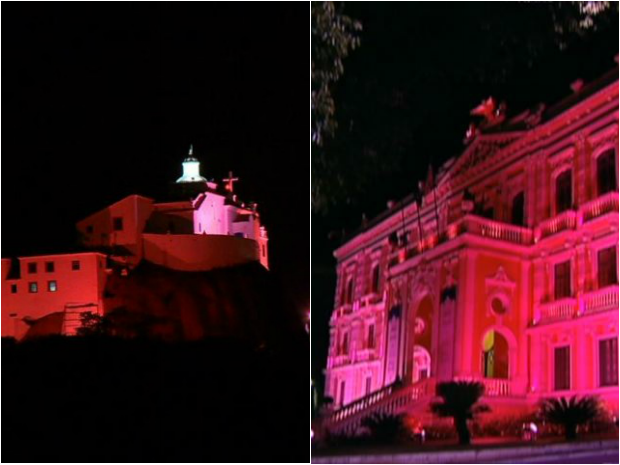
(210, 228)
(505, 271)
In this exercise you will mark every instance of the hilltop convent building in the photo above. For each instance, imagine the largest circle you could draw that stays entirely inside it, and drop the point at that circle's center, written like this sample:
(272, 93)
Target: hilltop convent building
(209, 229)
(504, 270)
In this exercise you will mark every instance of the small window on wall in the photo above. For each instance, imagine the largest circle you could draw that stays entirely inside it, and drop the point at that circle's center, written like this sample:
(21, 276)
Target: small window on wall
(561, 368)
(564, 191)
(49, 267)
(606, 172)
(562, 280)
(117, 223)
(376, 277)
(518, 209)
(32, 268)
(608, 362)
(368, 385)
(371, 337)
(33, 288)
(13, 288)
(349, 294)
(607, 272)
(342, 392)
(52, 286)
(89, 229)
(75, 265)
(344, 348)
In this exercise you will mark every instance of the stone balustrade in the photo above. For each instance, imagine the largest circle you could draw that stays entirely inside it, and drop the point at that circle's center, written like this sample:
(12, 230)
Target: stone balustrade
(558, 309)
(562, 222)
(604, 204)
(600, 300)
(495, 387)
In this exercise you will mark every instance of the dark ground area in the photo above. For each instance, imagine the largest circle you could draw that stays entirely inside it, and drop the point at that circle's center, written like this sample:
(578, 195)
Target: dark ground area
(107, 400)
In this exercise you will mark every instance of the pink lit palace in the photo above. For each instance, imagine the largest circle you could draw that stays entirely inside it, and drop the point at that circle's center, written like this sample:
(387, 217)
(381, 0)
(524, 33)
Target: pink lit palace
(503, 270)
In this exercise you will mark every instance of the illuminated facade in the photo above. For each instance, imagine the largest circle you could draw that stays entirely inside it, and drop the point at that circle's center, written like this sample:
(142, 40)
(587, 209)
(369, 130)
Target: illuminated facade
(211, 229)
(507, 272)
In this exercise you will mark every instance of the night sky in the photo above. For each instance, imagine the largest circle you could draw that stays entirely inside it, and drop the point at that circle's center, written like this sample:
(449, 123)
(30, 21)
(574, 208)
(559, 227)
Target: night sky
(404, 101)
(103, 101)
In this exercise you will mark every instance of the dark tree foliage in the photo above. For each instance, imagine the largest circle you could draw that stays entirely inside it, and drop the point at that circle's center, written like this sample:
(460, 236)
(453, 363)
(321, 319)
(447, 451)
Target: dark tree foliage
(404, 100)
(334, 35)
(570, 413)
(385, 428)
(460, 402)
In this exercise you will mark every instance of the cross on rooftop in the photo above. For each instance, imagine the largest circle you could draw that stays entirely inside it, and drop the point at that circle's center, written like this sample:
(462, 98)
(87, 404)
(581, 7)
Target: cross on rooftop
(229, 181)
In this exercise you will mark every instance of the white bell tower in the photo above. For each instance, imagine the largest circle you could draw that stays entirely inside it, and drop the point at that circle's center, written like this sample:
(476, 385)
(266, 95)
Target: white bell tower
(191, 169)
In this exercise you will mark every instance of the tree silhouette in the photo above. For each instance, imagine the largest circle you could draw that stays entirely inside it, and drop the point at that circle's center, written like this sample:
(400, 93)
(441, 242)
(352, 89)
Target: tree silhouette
(459, 402)
(570, 412)
(385, 428)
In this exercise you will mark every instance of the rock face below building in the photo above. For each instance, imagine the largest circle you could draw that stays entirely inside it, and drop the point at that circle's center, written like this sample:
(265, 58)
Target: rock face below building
(242, 302)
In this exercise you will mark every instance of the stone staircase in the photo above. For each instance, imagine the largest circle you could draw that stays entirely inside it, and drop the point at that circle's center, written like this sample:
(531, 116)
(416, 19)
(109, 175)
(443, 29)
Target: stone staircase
(392, 399)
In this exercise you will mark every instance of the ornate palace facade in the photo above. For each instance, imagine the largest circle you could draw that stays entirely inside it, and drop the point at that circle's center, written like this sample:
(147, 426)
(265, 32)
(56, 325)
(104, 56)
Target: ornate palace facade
(504, 271)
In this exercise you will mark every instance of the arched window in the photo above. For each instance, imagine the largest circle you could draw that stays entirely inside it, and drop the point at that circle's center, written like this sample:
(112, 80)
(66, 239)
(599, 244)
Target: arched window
(564, 191)
(421, 364)
(495, 355)
(606, 172)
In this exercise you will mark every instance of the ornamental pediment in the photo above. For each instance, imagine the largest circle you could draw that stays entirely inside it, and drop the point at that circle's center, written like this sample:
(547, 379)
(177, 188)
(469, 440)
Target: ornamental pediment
(481, 150)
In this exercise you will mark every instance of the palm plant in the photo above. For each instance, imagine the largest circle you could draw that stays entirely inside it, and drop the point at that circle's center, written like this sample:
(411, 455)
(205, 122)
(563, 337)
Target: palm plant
(385, 428)
(570, 413)
(459, 399)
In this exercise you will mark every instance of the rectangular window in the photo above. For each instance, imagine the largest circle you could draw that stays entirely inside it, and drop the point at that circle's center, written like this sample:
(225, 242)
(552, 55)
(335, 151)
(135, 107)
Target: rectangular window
(75, 265)
(13, 288)
(32, 268)
(562, 280)
(606, 172)
(49, 267)
(375, 279)
(368, 385)
(51, 286)
(564, 191)
(608, 362)
(371, 337)
(607, 267)
(33, 288)
(562, 368)
(342, 392)
(117, 223)
(344, 348)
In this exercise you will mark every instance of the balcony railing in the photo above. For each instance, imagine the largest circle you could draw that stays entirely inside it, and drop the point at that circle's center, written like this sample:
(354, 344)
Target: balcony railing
(600, 300)
(340, 360)
(558, 309)
(570, 219)
(561, 222)
(495, 230)
(494, 387)
(605, 204)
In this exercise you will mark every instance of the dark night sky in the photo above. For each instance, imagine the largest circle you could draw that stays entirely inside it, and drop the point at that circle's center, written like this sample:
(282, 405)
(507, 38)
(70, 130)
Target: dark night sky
(103, 101)
(405, 97)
